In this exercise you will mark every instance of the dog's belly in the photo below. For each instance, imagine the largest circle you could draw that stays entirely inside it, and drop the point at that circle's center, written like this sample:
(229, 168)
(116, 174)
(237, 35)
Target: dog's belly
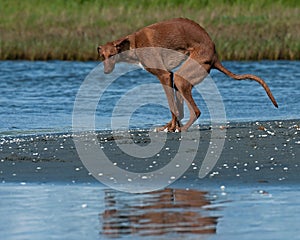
(159, 58)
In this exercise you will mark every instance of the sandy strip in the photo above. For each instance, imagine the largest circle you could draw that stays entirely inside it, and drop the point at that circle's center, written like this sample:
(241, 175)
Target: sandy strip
(261, 152)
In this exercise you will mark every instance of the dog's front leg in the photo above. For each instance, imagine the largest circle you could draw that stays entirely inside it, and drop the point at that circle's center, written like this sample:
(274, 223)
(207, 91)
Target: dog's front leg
(179, 104)
(170, 94)
(166, 80)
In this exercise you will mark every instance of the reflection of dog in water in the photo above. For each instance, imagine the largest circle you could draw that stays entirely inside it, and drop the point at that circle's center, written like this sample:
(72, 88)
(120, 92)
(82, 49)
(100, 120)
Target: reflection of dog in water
(156, 213)
(182, 36)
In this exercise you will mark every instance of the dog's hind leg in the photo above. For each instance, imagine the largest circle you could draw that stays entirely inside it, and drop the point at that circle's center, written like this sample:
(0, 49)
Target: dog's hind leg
(185, 89)
(190, 73)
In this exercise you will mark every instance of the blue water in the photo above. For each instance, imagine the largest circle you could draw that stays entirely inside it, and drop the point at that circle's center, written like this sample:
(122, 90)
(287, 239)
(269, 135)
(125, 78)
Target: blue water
(44, 211)
(38, 97)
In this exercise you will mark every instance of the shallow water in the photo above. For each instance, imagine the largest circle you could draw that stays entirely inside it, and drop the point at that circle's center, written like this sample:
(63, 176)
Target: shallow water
(80, 211)
(39, 97)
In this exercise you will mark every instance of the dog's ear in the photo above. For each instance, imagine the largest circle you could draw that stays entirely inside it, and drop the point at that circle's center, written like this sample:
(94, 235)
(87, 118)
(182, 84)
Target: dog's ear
(122, 44)
(99, 49)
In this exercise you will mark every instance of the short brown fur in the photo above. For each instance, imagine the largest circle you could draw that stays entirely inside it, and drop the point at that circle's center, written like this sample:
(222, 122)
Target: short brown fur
(183, 36)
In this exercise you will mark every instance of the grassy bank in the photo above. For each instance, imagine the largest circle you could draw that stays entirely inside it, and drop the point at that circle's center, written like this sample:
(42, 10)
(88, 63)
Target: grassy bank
(71, 30)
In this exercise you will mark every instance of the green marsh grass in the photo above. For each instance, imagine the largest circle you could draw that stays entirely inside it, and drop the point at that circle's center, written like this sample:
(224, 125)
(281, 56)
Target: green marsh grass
(72, 30)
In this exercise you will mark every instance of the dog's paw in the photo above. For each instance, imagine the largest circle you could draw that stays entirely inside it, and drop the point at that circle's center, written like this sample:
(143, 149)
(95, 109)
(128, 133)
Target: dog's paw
(161, 129)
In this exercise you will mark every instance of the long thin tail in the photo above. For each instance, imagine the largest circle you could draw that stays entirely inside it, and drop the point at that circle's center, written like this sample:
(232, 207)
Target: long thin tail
(220, 67)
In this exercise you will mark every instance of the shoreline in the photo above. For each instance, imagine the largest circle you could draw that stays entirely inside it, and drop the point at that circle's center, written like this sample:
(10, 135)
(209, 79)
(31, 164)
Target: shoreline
(205, 123)
(254, 152)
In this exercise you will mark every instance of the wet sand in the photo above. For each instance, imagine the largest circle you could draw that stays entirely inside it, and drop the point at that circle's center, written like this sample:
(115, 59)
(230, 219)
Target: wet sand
(254, 152)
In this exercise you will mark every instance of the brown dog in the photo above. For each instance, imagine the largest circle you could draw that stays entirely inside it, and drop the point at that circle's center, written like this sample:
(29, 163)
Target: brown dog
(189, 40)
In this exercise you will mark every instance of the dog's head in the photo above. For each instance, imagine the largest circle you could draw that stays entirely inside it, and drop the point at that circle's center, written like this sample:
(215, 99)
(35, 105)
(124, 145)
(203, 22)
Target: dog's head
(108, 53)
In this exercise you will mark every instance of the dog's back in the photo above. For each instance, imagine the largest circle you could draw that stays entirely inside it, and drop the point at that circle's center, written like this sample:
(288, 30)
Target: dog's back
(179, 34)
